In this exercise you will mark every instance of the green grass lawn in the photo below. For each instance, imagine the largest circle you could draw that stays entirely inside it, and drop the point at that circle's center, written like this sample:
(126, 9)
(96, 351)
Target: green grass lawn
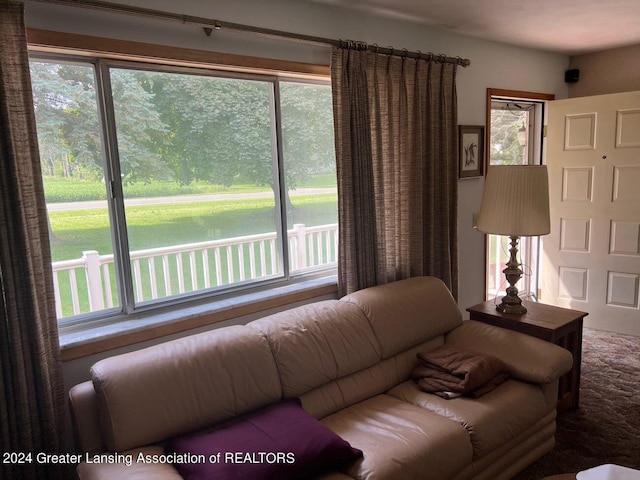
(71, 190)
(160, 225)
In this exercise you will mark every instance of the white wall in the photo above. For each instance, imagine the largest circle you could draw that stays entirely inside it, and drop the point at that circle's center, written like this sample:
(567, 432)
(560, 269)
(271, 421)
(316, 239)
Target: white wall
(493, 65)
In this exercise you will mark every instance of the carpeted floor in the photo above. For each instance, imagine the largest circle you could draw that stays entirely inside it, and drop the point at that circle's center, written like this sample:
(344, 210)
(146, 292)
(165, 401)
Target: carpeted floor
(606, 427)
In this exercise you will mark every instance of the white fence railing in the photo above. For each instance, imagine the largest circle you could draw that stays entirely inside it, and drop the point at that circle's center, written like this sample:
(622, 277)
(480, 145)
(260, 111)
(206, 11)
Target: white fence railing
(87, 284)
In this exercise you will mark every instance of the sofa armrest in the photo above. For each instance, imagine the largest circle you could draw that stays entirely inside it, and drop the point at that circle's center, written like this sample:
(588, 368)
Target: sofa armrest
(85, 418)
(528, 358)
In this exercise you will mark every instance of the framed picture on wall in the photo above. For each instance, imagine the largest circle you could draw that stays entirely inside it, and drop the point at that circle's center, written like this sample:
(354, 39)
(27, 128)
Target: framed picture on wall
(471, 151)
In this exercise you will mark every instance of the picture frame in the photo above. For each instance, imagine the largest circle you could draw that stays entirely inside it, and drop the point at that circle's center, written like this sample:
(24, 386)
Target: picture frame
(470, 151)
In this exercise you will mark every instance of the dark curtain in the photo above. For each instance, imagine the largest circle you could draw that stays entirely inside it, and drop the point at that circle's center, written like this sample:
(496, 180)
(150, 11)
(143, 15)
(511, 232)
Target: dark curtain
(31, 388)
(396, 145)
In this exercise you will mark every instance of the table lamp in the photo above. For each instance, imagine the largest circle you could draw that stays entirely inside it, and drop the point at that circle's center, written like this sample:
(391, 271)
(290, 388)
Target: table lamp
(515, 203)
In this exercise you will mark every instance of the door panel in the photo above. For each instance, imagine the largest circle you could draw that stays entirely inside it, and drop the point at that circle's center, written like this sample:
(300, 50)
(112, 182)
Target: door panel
(591, 258)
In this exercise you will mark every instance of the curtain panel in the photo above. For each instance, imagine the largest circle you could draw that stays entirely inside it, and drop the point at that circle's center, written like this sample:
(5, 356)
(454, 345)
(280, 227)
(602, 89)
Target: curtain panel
(31, 388)
(396, 153)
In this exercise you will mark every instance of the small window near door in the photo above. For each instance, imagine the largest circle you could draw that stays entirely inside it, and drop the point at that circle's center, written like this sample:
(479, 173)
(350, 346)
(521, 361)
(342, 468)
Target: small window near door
(513, 124)
(514, 138)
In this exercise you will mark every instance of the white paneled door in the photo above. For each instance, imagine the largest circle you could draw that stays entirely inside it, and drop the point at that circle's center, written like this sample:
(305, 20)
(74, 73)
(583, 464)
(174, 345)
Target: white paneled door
(591, 258)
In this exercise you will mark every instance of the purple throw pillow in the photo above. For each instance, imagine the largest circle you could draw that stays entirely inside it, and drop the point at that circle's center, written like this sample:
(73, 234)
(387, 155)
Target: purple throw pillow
(278, 442)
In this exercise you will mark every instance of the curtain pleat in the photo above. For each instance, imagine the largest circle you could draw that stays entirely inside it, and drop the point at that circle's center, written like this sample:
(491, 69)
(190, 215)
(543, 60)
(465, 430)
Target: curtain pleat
(31, 388)
(396, 152)
(355, 173)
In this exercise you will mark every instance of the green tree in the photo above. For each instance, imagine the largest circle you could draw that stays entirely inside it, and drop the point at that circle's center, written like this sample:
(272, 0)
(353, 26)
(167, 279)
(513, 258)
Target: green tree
(68, 123)
(138, 128)
(307, 126)
(67, 120)
(183, 127)
(505, 123)
(217, 130)
(222, 130)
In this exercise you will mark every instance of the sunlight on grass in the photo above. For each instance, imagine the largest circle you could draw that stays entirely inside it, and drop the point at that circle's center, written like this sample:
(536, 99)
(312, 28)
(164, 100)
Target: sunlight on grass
(73, 190)
(159, 225)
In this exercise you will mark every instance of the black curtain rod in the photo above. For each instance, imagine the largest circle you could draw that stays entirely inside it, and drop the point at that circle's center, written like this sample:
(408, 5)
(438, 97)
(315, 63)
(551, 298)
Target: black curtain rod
(209, 25)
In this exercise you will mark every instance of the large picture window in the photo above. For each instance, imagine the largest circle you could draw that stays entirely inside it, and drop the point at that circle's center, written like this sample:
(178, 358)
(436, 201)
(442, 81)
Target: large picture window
(165, 184)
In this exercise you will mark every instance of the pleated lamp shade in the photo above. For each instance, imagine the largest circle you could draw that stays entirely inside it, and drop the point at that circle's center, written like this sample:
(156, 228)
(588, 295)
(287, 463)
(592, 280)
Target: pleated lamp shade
(515, 201)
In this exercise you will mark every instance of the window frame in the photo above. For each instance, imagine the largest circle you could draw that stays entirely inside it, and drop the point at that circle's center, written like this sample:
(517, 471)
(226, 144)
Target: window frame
(105, 323)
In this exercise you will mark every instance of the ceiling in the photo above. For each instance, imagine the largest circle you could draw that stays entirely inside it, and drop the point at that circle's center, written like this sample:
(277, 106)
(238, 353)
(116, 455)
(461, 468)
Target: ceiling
(565, 26)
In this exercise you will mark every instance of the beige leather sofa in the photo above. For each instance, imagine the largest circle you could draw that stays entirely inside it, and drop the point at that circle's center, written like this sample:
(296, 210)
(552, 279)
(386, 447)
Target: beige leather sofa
(349, 362)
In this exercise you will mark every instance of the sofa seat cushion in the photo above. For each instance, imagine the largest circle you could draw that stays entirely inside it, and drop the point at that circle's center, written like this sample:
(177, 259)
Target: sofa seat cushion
(400, 440)
(491, 420)
(129, 465)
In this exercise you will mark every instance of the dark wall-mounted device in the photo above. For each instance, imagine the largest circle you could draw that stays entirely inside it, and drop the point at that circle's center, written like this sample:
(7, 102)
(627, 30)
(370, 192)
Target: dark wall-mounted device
(572, 76)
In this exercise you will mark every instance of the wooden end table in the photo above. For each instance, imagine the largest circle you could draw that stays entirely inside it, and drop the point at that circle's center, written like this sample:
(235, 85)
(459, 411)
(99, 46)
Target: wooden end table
(553, 324)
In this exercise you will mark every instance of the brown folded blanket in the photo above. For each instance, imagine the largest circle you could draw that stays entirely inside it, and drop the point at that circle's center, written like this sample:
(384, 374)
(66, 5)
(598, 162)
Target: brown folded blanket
(448, 369)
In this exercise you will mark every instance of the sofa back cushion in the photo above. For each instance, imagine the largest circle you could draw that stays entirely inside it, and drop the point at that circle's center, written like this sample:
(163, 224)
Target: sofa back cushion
(317, 343)
(169, 389)
(408, 312)
(356, 387)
